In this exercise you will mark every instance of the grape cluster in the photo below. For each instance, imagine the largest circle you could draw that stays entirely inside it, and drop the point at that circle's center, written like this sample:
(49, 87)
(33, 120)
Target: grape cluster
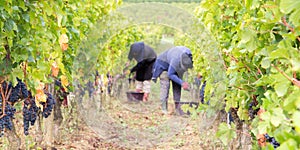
(48, 106)
(272, 141)
(6, 120)
(252, 111)
(30, 111)
(18, 92)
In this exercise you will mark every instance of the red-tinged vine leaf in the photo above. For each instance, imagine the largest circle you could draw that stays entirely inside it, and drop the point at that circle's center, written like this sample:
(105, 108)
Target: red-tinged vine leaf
(261, 140)
(40, 96)
(260, 112)
(64, 46)
(63, 39)
(54, 69)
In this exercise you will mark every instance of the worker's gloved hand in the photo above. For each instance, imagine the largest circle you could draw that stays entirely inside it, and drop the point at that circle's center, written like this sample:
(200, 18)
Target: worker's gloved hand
(185, 86)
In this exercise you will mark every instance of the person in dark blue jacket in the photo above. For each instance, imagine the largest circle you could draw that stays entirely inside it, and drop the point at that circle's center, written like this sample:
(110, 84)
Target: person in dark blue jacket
(170, 66)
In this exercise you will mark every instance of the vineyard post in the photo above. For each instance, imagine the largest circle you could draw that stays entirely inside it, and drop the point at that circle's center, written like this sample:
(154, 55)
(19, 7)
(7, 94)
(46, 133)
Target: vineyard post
(48, 123)
(58, 118)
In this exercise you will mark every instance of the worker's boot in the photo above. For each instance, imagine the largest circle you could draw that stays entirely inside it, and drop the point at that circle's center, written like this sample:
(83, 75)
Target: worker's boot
(164, 107)
(178, 109)
(145, 97)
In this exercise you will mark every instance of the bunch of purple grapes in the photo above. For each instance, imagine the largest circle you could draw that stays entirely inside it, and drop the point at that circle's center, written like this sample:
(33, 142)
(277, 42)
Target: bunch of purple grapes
(6, 120)
(272, 141)
(252, 111)
(30, 112)
(18, 92)
(48, 106)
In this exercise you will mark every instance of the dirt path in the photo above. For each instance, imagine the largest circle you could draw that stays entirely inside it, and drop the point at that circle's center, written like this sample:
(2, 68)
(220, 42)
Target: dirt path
(116, 123)
(121, 124)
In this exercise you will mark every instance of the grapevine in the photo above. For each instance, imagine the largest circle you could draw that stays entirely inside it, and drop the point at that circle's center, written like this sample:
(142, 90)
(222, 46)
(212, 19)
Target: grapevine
(258, 41)
(39, 40)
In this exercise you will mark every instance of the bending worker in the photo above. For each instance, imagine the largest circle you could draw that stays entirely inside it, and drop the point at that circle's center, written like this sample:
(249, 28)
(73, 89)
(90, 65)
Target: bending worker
(170, 66)
(145, 57)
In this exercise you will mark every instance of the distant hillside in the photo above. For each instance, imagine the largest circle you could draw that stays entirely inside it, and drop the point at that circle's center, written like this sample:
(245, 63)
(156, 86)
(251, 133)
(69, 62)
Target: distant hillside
(187, 5)
(163, 1)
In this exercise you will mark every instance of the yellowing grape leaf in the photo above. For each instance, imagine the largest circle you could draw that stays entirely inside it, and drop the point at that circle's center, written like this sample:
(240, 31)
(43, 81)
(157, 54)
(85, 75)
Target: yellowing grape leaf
(63, 39)
(39, 105)
(64, 80)
(63, 42)
(40, 96)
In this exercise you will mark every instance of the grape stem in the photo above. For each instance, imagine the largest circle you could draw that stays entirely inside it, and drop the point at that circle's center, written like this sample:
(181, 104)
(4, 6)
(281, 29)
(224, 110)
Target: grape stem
(24, 68)
(293, 80)
(3, 102)
(237, 61)
(240, 88)
(289, 26)
(292, 30)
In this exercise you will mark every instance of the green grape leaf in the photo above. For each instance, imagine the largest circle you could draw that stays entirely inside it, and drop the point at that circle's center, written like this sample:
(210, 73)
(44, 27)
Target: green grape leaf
(290, 102)
(295, 17)
(277, 117)
(225, 133)
(44, 66)
(290, 143)
(280, 53)
(263, 126)
(287, 6)
(10, 25)
(247, 35)
(296, 121)
(251, 45)
(16, 72)
(266, 63)
(281, 87)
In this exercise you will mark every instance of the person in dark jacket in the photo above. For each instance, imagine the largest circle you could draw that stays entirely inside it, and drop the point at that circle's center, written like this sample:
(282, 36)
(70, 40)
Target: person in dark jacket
(170, 66)
(145, 57)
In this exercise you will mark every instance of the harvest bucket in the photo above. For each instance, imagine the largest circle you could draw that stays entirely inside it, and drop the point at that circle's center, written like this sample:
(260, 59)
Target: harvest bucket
(135, 96)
